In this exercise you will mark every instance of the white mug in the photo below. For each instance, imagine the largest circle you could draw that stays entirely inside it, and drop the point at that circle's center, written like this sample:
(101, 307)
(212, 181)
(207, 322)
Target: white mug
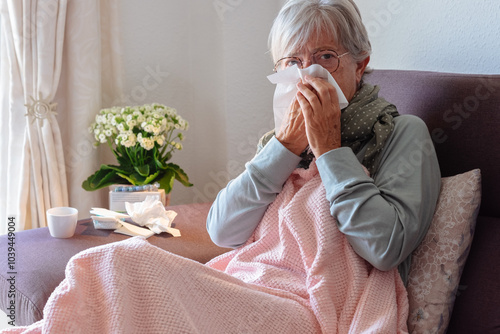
(62, 221)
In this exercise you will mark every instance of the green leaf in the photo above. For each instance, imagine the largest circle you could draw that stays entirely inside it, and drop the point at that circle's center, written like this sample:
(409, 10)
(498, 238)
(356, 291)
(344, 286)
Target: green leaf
(134, 179)
(137, 179)
(159, 160)
(111, 167)
(151, 177)
(142, 170)
(160, 164)
(104, 177)
(180, 175)
(167, 180)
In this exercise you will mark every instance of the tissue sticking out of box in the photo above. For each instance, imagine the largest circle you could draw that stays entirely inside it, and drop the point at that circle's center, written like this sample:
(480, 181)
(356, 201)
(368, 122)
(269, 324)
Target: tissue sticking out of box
(152, 214)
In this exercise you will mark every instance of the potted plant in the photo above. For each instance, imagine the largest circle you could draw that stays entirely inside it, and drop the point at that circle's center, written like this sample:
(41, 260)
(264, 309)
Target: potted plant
(143, 139)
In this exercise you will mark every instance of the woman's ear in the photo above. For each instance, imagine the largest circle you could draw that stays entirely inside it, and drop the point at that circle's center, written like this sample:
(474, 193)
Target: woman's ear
(361, 67)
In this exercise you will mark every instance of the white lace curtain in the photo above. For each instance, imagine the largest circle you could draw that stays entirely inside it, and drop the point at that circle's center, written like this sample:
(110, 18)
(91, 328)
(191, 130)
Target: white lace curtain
(59, 61)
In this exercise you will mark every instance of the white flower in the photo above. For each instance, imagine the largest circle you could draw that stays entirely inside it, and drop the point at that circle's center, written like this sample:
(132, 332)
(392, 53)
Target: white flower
(145, 125)
(100, 119)
(146, 143)
(131, 123)
(130, 142)
(127, 139)
(160, 140)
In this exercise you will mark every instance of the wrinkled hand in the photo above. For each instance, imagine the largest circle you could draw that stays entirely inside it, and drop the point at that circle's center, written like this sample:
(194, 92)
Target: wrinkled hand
(292, 133)
(318, 101)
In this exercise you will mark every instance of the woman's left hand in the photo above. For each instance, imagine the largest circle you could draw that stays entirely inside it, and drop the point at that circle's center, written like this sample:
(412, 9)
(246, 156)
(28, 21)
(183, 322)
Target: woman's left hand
(319, 103)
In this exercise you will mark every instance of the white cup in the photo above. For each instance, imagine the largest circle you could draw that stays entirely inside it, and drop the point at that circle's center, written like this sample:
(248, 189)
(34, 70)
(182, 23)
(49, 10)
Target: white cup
(62, 221)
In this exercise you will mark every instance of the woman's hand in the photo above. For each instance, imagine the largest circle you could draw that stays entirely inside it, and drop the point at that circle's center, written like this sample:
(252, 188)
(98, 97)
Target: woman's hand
(321, 112)
(292, 133)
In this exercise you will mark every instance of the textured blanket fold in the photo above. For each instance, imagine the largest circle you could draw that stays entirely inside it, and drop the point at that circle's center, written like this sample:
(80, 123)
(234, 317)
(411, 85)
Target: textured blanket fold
(297, 274)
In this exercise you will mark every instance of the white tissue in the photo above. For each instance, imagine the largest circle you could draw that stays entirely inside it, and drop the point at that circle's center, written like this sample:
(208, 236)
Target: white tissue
(286, 88)
(152, 214)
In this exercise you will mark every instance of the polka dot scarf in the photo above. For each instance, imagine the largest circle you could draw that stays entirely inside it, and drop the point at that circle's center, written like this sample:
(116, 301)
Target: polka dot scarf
(367, 120)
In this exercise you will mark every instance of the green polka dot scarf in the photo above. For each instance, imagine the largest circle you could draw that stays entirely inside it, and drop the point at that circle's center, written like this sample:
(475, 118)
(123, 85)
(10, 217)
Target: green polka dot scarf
(367, 120)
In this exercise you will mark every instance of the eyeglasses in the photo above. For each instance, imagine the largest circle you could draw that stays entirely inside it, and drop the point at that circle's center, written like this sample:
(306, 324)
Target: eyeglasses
(329, 59)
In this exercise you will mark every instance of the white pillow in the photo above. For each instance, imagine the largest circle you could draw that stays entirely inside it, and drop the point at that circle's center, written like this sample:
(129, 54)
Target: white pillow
(438, 262)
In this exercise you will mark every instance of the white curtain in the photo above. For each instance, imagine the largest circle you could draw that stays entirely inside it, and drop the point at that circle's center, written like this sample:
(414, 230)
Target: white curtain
(53, 79)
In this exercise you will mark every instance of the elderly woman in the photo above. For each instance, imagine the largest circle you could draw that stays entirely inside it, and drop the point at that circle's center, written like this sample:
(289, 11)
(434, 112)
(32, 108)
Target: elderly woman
(384, 215)
(316, 246)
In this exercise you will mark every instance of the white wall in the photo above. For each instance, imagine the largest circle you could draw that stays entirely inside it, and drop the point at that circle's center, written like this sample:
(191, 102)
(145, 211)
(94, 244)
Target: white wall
(4, 321)
(212, 63)
(444, 35)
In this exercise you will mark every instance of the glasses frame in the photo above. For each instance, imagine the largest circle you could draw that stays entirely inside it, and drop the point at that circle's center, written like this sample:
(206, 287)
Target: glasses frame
(275, 69)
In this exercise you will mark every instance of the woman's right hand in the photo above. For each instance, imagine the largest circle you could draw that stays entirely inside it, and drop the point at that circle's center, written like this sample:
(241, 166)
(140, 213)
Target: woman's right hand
(292, 133)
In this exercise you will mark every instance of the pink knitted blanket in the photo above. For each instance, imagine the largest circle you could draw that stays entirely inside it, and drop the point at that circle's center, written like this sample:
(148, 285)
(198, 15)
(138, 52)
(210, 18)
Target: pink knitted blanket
(297, 274)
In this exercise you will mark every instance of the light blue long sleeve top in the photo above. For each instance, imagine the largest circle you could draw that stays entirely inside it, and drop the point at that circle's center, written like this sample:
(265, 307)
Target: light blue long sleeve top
(384, 216)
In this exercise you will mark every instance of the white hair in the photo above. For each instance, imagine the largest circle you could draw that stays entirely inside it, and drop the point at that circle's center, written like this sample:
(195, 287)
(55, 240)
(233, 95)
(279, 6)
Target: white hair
(300, 20)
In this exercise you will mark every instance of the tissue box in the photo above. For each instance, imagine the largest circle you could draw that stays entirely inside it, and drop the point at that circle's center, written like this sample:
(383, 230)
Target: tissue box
(117, 199)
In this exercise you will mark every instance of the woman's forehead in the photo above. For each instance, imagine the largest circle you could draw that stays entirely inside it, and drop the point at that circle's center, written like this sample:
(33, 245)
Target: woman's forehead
(313, 43)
